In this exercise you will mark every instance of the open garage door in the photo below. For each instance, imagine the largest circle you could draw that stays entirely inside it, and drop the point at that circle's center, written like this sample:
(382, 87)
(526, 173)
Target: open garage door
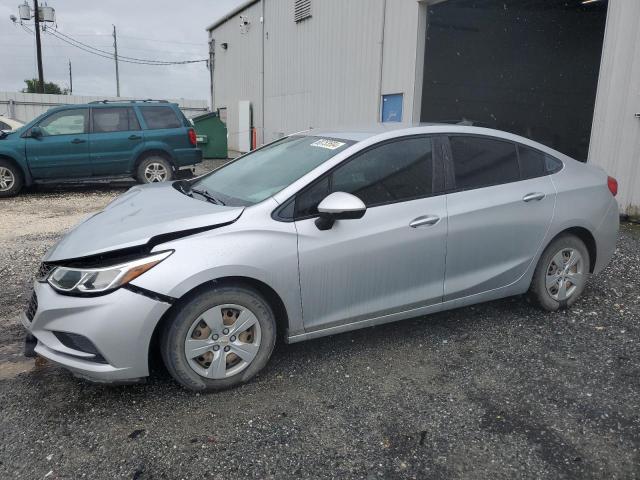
(525, 66)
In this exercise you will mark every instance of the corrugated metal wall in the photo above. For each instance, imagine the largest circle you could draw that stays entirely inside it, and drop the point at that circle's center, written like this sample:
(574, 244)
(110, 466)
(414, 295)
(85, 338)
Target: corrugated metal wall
(615, 137)
(325, 72)
(333, 65)
(322, 72)
(24, 107)
(237, 72)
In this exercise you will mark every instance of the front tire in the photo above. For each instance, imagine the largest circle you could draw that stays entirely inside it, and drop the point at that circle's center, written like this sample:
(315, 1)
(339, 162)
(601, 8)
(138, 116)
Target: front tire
(11, 179)
(561, 274)
(153, 169)
(219, 338)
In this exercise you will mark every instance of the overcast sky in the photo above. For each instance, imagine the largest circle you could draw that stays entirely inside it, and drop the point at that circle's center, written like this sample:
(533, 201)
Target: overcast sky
(154, 29)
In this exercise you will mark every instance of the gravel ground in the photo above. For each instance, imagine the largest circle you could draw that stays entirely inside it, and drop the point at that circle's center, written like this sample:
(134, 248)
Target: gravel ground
(500, 390)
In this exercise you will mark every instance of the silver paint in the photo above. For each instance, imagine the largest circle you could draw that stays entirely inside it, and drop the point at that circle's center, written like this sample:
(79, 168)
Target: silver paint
(398, 261)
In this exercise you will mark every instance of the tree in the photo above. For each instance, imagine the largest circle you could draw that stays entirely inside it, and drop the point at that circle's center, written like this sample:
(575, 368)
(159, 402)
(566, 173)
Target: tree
(49, 87)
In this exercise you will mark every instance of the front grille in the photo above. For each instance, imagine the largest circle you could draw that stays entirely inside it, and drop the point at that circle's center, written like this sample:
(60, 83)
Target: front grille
(43, 271)
(32, 307)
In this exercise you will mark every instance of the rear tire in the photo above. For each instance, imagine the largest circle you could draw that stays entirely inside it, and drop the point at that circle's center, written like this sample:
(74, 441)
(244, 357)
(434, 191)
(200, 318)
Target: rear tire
(11, 179)
(154, 168)
(561, 274)
(204, 345)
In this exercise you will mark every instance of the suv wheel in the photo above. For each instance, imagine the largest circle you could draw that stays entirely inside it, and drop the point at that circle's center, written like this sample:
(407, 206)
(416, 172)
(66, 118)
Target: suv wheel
(154, 168)
(219, 338)
(561, 274)
(11, 179)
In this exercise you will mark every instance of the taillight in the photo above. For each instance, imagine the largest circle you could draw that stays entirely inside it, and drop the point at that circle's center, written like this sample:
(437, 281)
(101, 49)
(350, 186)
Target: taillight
(612, 183)
(192, 137)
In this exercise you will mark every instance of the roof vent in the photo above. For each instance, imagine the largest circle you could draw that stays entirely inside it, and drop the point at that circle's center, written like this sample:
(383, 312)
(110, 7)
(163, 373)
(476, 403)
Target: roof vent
(301, 10)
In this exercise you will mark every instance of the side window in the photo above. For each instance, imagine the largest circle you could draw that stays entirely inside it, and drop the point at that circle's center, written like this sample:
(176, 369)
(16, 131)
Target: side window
(481, 162)
(160, 117)
(552, 164)
(307, 202)
(392, 172)
(4, 126)
(67, 122)
(117, 119)
(532, 162)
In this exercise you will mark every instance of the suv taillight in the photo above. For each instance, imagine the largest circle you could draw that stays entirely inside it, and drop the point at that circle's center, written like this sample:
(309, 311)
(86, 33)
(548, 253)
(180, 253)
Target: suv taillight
(612, 183)
(192, 137)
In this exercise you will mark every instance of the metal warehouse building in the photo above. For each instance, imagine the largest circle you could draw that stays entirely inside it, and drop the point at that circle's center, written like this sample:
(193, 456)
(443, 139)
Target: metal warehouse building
(563, 72)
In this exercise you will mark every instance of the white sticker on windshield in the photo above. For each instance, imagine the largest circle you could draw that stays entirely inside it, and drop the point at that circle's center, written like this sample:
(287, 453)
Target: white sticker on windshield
(325, 143)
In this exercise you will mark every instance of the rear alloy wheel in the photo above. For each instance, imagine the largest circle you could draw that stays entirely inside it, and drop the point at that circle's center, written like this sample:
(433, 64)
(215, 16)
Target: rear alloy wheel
(561, 274)
(154, 169)
(219, 338)
(10, 179)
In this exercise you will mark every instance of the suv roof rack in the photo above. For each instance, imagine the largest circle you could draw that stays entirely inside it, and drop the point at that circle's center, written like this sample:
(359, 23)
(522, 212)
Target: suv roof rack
(148, 100)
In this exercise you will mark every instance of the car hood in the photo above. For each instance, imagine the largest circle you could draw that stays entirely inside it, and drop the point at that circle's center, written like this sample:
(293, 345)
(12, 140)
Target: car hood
(136, 217)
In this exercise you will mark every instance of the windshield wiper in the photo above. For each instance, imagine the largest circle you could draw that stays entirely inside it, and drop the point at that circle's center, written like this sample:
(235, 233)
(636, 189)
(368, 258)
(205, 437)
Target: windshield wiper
(184, 187)
(208, 196)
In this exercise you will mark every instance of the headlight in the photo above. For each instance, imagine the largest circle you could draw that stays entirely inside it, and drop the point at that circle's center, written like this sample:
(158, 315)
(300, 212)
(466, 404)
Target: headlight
(99, 280)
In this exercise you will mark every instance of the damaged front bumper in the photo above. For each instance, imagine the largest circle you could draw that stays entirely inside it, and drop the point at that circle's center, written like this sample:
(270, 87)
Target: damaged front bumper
(103, 338)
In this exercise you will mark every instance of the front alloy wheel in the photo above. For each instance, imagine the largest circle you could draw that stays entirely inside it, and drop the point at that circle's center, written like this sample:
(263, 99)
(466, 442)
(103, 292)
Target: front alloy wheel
(11, 178)
(218, 338)
(7, 179)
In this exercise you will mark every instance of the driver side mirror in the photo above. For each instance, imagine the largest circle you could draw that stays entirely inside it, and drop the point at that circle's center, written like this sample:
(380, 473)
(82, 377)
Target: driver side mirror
(339, 206)
(36, 132)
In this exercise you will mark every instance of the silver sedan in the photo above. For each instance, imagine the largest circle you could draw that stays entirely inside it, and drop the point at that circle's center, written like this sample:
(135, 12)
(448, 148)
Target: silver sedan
(316, 234)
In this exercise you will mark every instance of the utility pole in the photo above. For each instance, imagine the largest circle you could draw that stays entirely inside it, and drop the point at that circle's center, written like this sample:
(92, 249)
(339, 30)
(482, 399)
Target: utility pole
(36, 10)
(70, 79)
(115, 56)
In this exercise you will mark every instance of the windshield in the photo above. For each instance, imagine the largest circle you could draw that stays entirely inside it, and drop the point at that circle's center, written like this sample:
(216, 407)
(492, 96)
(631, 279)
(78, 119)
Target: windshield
(263, 173)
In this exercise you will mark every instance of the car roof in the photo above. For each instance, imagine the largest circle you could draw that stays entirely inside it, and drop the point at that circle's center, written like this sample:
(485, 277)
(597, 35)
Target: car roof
(123, 103)
(387, 131)
(363, 133)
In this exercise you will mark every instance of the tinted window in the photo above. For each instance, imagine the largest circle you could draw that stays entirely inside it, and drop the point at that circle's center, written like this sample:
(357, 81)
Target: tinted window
(480, 162)
(307, 202)
(160, 117)
(114, 120)
(4, 126)
(67, 122)
(553, 165)
(392, 172)
(532, 162)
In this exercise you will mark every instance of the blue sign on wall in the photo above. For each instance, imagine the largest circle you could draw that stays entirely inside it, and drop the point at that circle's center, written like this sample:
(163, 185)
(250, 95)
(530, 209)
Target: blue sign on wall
(392, 108)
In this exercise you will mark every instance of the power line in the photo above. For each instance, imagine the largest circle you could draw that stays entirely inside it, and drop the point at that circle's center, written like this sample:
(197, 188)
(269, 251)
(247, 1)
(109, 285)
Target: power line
(96, 51)
(72, 42)
(155, 40)
(161, 41)
(108, 55)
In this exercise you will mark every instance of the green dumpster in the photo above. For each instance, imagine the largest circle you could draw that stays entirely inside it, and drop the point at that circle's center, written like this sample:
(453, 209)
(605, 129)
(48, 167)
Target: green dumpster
(211, 134)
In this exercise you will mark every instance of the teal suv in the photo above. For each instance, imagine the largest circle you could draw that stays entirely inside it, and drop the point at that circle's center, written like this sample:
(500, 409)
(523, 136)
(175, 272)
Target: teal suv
(149, 140)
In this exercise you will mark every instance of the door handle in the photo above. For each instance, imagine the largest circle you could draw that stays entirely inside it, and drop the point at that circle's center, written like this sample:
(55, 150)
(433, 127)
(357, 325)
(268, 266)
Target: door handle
(78, 140)
(533, 196)
(424, 220)
(134, 137)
